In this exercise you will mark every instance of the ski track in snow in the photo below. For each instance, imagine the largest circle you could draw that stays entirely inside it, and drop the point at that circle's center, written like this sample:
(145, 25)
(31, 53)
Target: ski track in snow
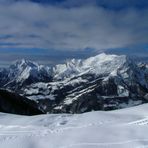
(107, 144)
(140, 122)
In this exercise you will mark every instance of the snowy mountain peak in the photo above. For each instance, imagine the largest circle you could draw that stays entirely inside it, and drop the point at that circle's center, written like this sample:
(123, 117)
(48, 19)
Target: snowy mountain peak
(22, 64)
(99, 64)
(103, 57)
(25, 71)
(104, 63)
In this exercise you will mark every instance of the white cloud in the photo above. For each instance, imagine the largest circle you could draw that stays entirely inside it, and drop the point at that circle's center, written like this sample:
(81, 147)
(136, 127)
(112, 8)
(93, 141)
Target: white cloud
(40, 26)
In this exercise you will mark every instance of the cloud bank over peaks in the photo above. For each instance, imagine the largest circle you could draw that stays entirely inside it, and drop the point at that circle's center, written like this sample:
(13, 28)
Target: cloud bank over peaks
(27, 24)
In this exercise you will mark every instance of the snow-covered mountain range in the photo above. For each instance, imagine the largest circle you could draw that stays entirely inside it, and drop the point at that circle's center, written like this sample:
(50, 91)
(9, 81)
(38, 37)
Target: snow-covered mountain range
(103, 82)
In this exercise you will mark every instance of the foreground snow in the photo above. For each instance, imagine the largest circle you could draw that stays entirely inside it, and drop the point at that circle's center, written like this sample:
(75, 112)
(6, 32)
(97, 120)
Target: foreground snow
(125, 128)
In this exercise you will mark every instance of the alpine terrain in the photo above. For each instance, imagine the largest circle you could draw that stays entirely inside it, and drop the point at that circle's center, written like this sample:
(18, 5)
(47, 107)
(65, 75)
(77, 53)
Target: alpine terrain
(102, 82)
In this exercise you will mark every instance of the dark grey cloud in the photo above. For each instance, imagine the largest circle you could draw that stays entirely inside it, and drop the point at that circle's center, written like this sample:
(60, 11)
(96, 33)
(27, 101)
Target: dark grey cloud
(110, 4)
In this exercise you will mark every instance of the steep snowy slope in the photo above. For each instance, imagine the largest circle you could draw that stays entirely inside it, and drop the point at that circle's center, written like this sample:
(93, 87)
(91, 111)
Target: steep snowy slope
(125, 128)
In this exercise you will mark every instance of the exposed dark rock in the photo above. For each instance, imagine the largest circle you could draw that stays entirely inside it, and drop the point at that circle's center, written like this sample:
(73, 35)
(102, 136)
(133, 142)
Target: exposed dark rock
(13, 103)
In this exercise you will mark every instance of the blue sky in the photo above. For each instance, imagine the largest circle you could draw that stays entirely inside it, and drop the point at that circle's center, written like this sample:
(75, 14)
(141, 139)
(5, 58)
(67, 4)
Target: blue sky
(47, 30)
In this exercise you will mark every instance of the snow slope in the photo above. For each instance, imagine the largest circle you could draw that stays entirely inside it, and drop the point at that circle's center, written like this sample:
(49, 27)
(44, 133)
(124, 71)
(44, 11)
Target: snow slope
(126, 128)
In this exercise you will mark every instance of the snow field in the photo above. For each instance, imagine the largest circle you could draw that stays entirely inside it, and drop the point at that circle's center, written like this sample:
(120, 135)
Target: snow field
(125, 128)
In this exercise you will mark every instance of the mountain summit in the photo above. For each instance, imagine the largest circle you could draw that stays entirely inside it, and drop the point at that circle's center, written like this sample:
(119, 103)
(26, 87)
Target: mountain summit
(24, 72)
(101, 64)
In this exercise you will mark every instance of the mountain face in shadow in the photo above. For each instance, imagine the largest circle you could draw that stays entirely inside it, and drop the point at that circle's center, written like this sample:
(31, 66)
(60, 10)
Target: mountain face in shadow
(16, 104)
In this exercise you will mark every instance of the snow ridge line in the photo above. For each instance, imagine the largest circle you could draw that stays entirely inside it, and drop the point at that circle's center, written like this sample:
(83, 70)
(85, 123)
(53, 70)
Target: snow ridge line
(106, 144)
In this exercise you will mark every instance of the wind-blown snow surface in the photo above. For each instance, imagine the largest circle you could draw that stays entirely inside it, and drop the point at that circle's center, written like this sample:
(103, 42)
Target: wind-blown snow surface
(126, 128)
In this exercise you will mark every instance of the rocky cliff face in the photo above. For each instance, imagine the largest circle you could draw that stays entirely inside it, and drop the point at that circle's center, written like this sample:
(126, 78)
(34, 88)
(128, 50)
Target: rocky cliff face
(103, 82)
